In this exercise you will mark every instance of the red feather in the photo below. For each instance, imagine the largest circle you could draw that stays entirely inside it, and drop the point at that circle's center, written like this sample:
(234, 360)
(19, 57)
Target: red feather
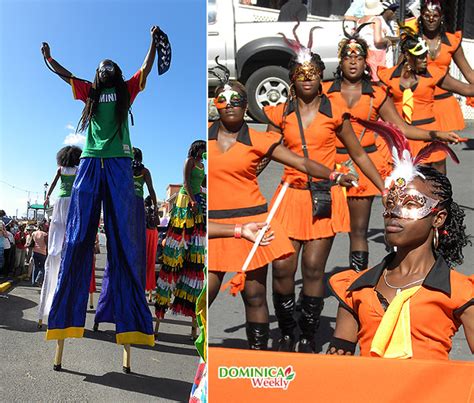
(390, 133)
(426, 151)
(294, 45)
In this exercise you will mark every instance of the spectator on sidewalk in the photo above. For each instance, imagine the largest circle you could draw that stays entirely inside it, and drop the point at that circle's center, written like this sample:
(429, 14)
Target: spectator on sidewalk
(10, 261)
(40, 238)
(20, 253)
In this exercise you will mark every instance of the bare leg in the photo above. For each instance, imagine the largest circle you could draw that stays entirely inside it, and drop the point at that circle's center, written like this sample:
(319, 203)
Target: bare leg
(440, 166)
(315, 256)
(284, 271)
(214, 281)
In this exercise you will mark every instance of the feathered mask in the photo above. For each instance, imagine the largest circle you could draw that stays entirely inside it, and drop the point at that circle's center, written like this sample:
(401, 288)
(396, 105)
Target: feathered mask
(229, 96)
(432, 6)
(405, 165)
(352, 44)
(303, 53)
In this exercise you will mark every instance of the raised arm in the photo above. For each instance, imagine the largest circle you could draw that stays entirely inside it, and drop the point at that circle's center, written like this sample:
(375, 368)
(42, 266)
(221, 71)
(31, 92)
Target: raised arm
(358, 155)
(52, 186)
(389, 113)
(150, 56)
(149, 185)
(62, 72)
(460, 59)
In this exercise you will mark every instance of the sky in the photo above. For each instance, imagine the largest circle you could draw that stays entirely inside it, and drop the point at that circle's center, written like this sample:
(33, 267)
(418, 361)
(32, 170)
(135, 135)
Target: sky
(38, 112)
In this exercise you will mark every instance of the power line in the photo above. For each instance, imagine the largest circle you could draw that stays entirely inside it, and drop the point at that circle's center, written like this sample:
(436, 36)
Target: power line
(18, 188)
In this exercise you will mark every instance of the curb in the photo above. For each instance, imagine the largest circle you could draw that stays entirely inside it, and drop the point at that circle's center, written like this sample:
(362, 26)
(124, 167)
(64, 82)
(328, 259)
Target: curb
(4, 287)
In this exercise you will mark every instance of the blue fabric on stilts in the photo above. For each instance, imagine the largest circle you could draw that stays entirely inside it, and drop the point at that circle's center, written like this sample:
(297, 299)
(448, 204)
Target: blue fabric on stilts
(109, 181)
(105, 310)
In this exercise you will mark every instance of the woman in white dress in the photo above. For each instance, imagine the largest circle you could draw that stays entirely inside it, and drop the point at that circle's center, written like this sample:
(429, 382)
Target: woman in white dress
(68, 160)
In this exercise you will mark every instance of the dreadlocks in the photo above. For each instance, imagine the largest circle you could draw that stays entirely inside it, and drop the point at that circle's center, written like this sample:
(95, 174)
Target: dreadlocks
(122, 104)
(452, 235)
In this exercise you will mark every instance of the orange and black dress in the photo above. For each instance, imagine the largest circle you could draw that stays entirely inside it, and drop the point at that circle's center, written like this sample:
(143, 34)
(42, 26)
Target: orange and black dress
(417, 110)
(434, 309)
(235, 198)
(371, 100)
(296, 212)
(447, 111)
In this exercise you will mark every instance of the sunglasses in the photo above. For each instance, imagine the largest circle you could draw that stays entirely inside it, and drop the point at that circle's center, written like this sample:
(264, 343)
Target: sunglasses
(109, 68)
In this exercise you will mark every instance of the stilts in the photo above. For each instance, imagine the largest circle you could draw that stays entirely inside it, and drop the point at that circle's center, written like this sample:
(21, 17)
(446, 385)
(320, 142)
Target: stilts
(126, 358)
(40, 324)
(157, 327)
(58, 356)
(91, 300)
(194, 327)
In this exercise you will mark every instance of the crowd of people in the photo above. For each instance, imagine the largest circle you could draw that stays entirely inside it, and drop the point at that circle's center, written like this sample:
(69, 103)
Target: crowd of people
(337, 158)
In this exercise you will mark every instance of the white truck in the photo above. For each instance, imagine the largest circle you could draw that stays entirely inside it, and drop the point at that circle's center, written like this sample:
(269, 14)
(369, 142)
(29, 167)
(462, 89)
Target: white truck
(246, 39)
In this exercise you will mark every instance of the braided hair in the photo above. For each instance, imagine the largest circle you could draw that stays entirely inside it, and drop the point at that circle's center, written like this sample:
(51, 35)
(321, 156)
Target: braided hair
(452, 235)
(121, 106)
(68, 156)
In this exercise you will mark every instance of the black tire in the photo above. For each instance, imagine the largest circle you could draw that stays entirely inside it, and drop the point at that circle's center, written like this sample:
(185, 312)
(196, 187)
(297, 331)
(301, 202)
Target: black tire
(265, 87)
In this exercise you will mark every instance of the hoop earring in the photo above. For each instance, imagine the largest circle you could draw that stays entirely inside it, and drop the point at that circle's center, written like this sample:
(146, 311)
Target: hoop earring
(436, 238)
(292, 91)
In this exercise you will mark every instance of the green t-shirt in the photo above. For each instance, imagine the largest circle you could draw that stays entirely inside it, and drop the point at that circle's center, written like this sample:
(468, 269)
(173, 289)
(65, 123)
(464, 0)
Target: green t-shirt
(197, 176)
(138, 182)
(105, 138)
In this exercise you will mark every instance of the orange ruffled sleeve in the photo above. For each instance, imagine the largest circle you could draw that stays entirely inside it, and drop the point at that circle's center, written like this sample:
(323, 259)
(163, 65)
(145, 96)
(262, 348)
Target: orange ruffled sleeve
(339, 283)
(274, 114)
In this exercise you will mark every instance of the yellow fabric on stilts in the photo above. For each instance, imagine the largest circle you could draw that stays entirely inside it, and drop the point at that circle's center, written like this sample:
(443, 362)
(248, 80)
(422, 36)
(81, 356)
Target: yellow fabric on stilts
(393, 336)
(61, 334)
(135, 338)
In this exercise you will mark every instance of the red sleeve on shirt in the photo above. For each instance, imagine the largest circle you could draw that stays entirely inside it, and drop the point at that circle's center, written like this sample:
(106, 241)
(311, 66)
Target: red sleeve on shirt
(80, 89)
(135, 85)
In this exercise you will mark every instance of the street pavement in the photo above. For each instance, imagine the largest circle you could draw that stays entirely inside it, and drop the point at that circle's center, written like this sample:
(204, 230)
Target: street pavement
(226, 316)
(92, 366)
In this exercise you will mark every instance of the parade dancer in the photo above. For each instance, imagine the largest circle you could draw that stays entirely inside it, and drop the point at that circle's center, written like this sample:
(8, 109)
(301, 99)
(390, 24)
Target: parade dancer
(104, 176)
(412, 84)
(310, 123)
(353, 90)
(67, 159)
(412, 303)
(235, 154)
(152, 221)
(444, 47)
(182, 272)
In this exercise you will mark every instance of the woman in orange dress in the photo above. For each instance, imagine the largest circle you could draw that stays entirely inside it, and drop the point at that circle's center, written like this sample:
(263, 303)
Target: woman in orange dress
(412, 303)
(363, 99)
(235, 152)
(412, 84)
(323, 121)
(444, 47)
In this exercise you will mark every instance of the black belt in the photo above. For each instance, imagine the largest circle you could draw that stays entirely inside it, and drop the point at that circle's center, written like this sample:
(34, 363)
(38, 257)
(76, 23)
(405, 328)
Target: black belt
(423, 121)
(443, 96)
(238, 212)
(367, 149)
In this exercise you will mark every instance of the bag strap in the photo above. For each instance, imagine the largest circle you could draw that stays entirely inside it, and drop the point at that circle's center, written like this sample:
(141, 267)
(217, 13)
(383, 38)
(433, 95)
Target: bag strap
(368, 118)
(303, 141)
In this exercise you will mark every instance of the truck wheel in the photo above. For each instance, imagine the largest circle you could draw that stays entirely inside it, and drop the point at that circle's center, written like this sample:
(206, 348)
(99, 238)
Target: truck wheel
(266, 86)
